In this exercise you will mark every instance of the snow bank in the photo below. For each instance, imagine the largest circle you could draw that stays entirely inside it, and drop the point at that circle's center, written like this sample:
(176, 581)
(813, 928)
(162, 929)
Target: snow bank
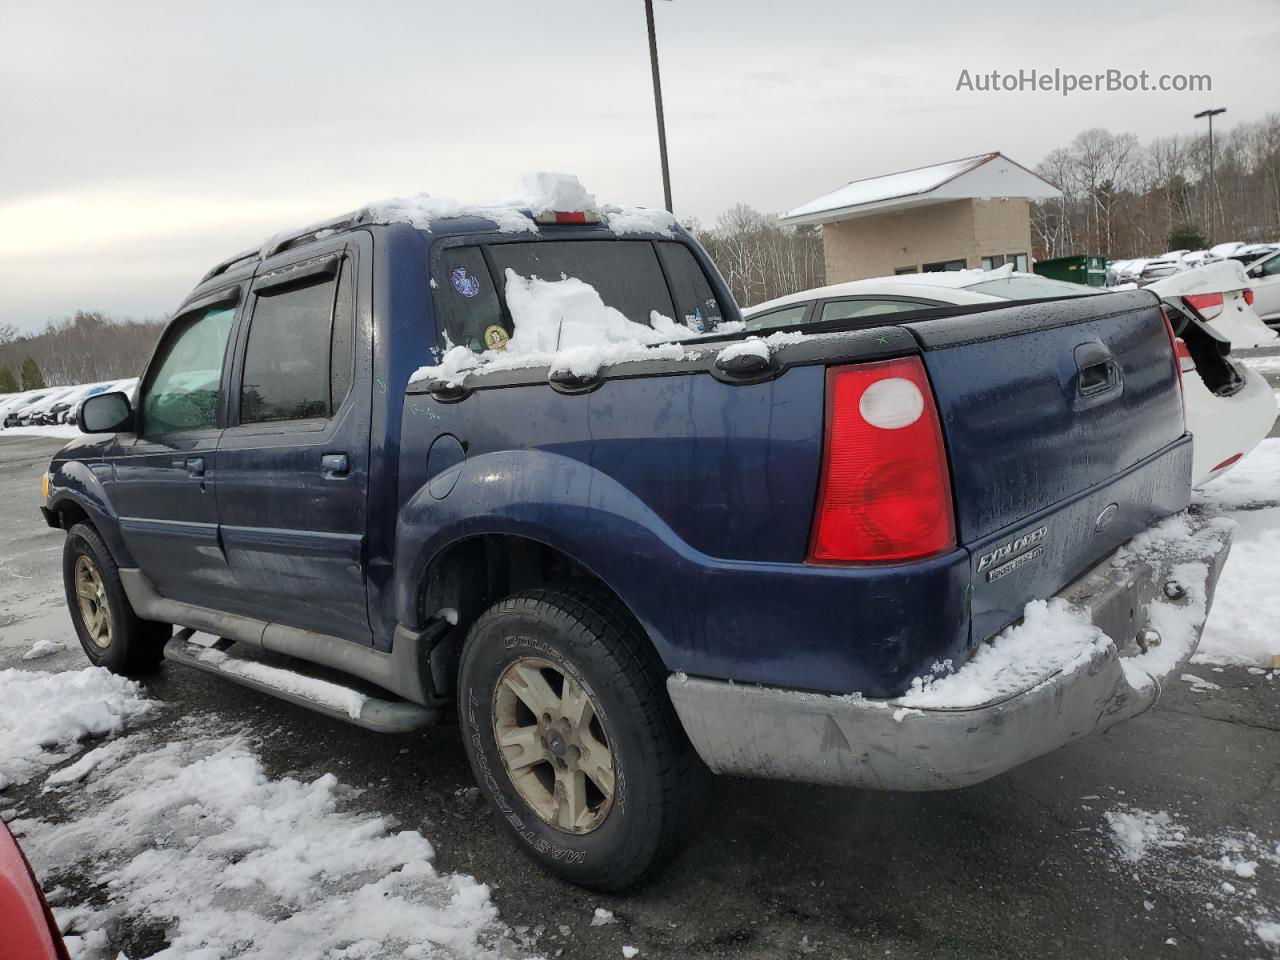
(1242, 627)
(193, 835)
(44, 714)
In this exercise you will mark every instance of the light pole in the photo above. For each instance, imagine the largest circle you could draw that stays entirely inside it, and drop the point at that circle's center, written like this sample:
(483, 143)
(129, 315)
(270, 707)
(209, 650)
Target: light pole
(1213, 179)
(657, 101)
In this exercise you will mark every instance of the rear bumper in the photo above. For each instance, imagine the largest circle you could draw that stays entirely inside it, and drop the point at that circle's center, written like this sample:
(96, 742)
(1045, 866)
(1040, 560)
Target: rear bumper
(895, 745)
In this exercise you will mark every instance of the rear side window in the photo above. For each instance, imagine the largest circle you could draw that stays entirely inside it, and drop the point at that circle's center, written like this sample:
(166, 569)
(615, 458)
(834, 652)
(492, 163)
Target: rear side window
(298, 360)
(182, 393)
(696, 305)
(466, 301)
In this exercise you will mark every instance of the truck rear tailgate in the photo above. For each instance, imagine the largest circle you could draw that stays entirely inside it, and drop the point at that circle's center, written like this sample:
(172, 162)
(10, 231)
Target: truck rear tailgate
(1064, 428)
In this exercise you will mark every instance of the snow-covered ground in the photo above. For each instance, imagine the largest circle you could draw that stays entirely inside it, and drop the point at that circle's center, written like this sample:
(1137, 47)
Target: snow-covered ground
(56, 430)
(190, 833)
(1219, 871)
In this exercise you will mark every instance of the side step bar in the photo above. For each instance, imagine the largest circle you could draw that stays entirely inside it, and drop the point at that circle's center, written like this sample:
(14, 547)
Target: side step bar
(323, 696)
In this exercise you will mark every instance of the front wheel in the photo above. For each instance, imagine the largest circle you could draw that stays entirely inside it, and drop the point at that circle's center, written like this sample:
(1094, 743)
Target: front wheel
(112, 635)
(573, 738)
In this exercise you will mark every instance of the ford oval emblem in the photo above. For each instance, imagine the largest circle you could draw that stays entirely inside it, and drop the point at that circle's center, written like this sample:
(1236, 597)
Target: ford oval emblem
(1106, 516)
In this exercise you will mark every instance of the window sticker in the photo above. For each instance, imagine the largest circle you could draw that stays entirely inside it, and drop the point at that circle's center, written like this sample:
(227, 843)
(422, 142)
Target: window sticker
(465, 283)
(495, 338)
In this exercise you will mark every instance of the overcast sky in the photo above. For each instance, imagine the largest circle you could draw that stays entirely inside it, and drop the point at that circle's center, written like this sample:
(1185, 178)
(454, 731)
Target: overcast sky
(141, 142)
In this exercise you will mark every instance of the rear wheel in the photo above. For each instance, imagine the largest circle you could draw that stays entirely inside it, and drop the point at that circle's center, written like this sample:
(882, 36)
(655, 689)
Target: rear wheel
(572, 736)
(112, 635)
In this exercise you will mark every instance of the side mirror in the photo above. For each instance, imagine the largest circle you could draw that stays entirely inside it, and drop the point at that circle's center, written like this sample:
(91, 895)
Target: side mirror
(106, 413)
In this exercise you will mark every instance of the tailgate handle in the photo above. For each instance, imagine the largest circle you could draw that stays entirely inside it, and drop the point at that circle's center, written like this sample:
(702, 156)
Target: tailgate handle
(1097, 371)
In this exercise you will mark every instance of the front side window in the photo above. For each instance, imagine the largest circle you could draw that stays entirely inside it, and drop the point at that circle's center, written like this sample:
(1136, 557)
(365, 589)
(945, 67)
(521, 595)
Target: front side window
(182, 393)
(1270, 268)
(298, 361)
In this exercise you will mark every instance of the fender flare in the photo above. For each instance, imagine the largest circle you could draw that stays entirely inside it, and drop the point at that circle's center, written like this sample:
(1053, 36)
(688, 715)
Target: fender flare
(75, 482)
(564, 504)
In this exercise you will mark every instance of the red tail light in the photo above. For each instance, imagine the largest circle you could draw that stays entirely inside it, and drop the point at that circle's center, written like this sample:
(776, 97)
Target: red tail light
(1186, 364)
(1208, 305)
(1248, 295)
(1179, 349)
(885, 493)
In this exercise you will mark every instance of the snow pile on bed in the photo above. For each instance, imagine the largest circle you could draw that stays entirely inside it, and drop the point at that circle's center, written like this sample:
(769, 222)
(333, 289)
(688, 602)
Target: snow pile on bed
(43, 716)
(193, 835)
(1052, 638)
(565, 325)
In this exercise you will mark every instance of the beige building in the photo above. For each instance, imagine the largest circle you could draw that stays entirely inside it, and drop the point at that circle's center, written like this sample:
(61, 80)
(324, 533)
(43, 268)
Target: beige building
(973, 212)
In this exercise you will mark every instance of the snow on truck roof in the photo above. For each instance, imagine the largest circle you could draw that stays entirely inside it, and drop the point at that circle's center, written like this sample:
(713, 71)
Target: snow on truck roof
(985, 175)
(539, 194)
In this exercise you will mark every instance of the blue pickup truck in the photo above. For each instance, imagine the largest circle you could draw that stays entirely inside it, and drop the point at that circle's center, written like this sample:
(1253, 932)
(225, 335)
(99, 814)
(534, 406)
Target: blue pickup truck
(736, 555)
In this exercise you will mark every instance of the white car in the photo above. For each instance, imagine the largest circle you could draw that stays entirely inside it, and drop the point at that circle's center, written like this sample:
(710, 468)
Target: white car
(1264, 280)
(1224, 297)
(1230, 408)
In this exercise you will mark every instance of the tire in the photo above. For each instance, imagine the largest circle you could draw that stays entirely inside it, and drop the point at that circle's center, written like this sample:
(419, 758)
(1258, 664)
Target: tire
(549, 785)
(112, 635)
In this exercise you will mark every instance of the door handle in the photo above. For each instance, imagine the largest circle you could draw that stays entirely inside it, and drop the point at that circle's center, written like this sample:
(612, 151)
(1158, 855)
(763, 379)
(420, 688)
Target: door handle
(334, 465)
(195, 466)
(1096, 369)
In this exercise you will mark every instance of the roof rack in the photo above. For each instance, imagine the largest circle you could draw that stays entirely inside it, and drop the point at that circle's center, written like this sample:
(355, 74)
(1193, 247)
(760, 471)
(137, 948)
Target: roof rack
(226, 264)
(284, 241)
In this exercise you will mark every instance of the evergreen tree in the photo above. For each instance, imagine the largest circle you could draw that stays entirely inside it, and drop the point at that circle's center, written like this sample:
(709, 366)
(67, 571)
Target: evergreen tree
(1187, 236)
(31, 375)
(7, 383)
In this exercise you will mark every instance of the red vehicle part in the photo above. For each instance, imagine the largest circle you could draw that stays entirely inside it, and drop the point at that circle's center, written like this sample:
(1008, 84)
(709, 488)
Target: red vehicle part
(29, 931)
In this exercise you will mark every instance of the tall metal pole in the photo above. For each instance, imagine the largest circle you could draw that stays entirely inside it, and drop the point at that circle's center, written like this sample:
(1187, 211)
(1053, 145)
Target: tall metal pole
(657, 101)
(1213, 177)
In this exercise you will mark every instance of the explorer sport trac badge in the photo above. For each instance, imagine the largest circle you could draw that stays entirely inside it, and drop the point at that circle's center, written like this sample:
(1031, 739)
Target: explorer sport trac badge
(464, 283)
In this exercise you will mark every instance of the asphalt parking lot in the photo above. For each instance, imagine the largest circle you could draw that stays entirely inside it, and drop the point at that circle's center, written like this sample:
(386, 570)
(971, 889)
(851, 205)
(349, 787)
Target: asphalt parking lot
(1024, 865)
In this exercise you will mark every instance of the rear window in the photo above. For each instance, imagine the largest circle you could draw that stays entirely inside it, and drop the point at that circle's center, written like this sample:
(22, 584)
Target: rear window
(1030, 288)
(634, 277)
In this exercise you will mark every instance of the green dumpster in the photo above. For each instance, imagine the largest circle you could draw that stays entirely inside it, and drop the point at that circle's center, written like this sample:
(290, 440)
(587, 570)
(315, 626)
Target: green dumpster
(1088, 269)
